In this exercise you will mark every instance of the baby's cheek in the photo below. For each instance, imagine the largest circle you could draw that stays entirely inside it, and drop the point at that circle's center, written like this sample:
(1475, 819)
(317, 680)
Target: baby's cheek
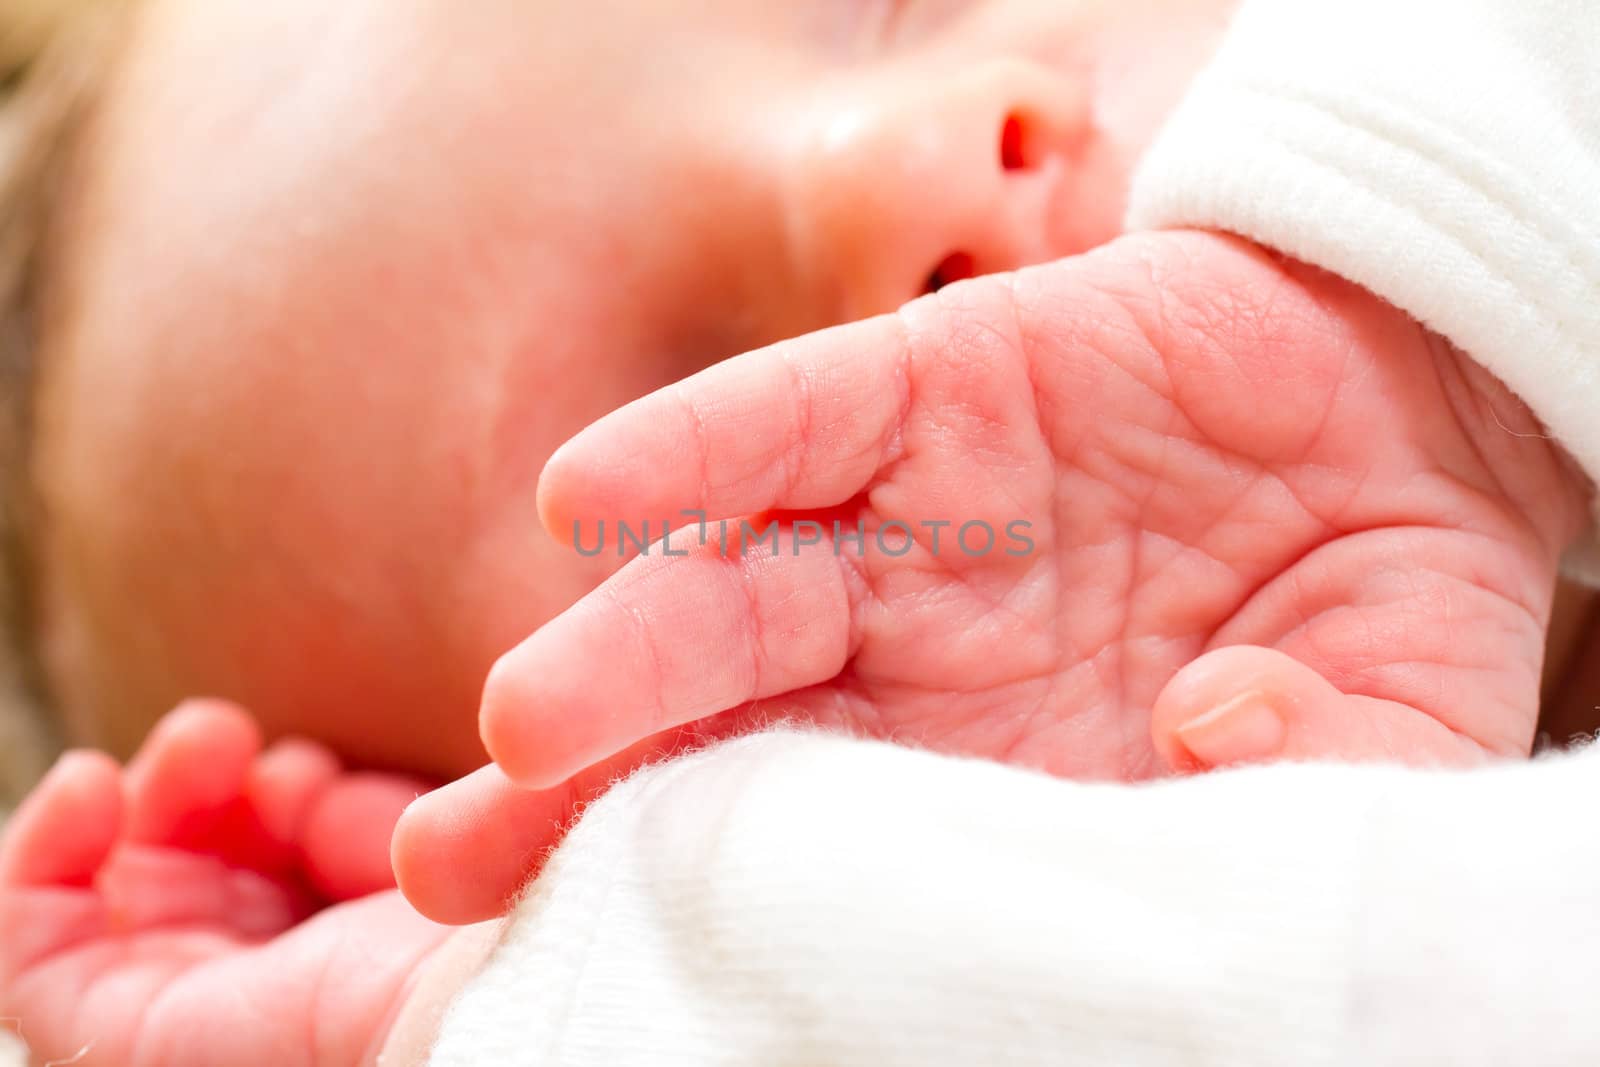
(280, 580)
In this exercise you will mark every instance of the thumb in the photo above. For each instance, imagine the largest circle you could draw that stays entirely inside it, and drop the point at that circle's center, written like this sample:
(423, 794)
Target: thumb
(1247, 704)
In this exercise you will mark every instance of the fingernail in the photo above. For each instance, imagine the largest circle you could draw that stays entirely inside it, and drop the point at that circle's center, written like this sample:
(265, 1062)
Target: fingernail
(1245, 729)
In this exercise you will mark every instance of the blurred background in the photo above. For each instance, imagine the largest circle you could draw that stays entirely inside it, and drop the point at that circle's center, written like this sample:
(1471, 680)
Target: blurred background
(40, 72)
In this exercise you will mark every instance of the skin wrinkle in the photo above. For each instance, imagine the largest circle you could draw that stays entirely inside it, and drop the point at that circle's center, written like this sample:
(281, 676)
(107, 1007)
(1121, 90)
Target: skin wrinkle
(1244, 495)
(910, 685)
(1121, 316)
(1429, 696)
(644, 640)
(998, 607)
(86, 933)
(167, 989)
(1014, 342)
(1268, 312)
(1066, 453)
(753, 623)
(381, 1028)
(1319, 432)
(1086, 729)
(1308, 624)
(1457, 384)
(1291, 571)
(802, 419)
(1312, 624)
(1135, 565)
(1447, 373)
(702, 442)
(386, 1007)
(959, 343)
(1497, 746)
(1047, 707)
(84, 1001)
(1117, 642)
(894, 443)
(314, 1023)
(938, 565)
(1019, 723)
(1515, 598)
(1531, 617)
(1025, 733)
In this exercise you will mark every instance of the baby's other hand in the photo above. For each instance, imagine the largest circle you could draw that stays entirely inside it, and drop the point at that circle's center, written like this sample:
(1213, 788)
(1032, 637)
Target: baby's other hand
(1269, 516)
(187, 909)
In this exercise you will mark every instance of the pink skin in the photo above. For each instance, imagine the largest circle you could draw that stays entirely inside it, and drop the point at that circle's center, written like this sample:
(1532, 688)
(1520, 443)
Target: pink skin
(154, 914)
(291, 422)
(349, 274)
(1264, 503)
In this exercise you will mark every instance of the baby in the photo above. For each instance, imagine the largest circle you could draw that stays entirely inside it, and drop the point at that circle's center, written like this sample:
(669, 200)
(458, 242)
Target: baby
(335, 380)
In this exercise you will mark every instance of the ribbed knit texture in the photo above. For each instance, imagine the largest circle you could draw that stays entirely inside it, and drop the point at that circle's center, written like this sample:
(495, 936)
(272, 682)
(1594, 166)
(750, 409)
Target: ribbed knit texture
(1445, 154)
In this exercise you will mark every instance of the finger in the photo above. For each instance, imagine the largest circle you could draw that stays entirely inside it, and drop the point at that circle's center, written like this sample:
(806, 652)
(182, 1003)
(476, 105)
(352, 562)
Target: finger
(679, 639)
(1255, 705)
(344, 844)
(462, 852)
(801, 424)
(64, 830)
(284, 783)
(189, 772)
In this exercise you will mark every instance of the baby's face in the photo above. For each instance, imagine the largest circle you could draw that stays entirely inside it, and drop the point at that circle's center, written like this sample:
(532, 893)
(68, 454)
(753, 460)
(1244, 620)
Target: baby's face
(346, 275)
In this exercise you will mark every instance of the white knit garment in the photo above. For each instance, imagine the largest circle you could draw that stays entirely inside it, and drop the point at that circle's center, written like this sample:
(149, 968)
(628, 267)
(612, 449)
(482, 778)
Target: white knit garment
(1445, 154)
(795, 900)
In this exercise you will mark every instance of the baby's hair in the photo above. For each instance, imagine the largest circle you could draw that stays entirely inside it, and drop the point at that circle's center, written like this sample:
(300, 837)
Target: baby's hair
(53, 56)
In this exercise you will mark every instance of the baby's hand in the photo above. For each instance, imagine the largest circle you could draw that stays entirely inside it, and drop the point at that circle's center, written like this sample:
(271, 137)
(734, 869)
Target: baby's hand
(1269, 515)
(168, 913)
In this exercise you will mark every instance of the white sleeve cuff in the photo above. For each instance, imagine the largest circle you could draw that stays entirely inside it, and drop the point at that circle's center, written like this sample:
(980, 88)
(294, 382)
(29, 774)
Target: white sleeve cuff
(1444, 154)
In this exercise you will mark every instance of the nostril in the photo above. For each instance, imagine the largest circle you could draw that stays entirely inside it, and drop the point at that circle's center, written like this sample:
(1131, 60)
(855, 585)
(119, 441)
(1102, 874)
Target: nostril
(952, 268)
(1015, 152)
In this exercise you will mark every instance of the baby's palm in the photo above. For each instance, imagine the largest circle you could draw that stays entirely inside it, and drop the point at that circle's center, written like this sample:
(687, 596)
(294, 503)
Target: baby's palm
(1209, 448)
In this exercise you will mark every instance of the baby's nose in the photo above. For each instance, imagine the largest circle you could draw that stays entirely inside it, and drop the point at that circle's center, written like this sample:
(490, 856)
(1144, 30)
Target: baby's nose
(921, 185)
